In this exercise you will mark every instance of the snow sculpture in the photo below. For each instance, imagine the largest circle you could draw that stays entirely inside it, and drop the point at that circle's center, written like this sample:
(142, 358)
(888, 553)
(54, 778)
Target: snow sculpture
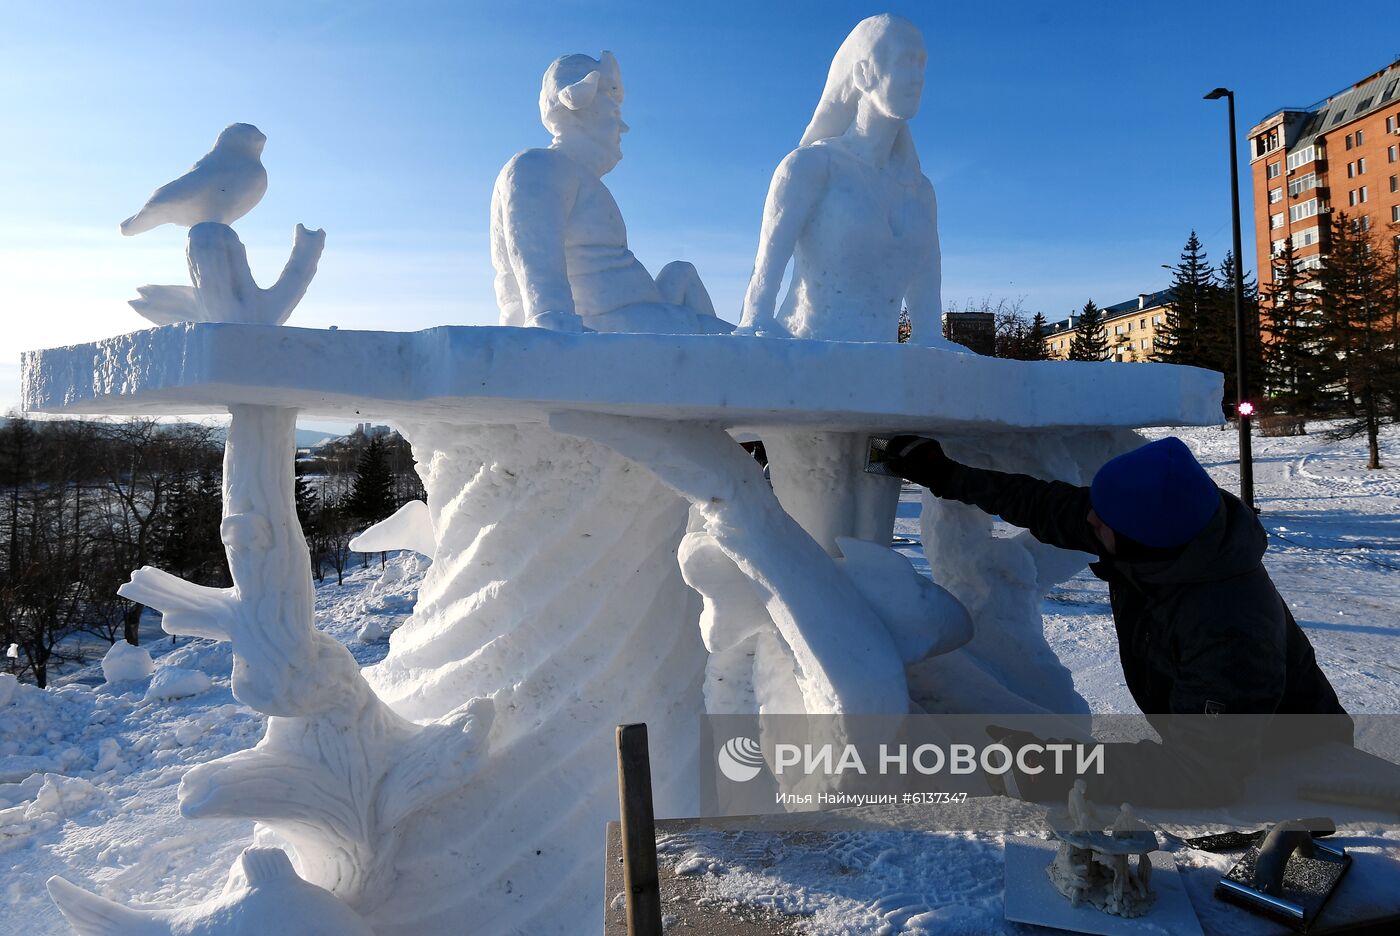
(263, 895)
(557, 238)
(1094, 866)
(771, 595)
(587, 509)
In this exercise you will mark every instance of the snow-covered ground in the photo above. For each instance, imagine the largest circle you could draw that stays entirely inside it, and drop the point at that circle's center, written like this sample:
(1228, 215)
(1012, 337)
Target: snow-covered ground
(88, 772)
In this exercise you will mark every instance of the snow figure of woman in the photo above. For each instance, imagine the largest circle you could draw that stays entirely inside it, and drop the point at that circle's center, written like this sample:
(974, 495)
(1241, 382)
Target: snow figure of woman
(852, 207)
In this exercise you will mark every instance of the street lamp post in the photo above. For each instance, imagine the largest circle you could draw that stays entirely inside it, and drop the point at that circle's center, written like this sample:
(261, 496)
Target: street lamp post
(1244, 409)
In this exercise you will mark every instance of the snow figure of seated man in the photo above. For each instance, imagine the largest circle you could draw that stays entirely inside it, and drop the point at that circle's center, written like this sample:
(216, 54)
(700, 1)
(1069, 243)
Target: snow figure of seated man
(558, 243)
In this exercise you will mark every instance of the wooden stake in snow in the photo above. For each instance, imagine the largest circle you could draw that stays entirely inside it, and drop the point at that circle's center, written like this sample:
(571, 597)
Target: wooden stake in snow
(639, 880)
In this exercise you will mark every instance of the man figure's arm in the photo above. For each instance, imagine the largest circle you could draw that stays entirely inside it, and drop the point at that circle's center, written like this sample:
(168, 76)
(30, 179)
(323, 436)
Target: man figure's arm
(537, 195)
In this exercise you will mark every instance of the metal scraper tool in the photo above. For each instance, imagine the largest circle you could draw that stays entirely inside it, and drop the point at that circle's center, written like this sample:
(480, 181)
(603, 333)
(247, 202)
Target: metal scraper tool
(878, 456)
(1288, 877)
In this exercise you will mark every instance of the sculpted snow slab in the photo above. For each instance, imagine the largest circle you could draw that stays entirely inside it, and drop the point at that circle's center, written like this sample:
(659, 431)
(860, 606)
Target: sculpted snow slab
(490, 374)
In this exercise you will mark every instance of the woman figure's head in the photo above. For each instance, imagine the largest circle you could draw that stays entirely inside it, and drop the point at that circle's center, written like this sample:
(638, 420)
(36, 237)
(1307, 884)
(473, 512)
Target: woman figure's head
(881, 63)
(891, 77)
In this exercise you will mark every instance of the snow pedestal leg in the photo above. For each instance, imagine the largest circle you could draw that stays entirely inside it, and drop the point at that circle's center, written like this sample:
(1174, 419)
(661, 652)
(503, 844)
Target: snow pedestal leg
(555, 590)
(820, 480)
(338, 774)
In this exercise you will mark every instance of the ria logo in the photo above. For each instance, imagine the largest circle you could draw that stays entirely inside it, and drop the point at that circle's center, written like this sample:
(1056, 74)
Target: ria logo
(741, 759)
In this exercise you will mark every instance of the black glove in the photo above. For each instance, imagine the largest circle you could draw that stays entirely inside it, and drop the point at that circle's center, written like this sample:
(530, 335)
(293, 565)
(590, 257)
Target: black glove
(920, 460)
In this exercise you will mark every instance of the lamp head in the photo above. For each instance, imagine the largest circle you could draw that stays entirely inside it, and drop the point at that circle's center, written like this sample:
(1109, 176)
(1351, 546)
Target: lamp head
(1217, 94)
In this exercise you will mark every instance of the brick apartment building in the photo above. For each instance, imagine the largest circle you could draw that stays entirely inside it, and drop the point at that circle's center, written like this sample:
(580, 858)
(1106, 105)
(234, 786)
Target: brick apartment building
(1131, 327)
(1340, 154)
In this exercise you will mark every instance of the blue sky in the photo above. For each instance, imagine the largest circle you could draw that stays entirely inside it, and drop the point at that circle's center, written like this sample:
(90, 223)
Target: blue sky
(1068, 142)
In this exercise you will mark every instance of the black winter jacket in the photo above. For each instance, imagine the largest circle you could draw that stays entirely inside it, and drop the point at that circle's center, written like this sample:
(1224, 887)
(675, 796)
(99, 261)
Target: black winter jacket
(1203, 633)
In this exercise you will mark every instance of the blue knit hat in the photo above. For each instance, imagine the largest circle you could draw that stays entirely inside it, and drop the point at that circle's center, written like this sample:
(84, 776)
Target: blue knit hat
(1158, 495)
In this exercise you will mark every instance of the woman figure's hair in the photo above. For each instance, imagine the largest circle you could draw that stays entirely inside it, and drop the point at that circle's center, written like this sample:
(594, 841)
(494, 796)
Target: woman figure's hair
(836, 110)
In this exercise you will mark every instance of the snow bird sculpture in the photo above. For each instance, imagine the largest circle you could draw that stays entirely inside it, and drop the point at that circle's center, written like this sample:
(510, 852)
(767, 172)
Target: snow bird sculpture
(223, 186)
(263, 895)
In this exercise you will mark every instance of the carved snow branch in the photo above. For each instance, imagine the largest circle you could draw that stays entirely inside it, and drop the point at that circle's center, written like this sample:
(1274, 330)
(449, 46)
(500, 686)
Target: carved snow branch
(166, 305)
(186, 609)
(224, 287)
(433, 761)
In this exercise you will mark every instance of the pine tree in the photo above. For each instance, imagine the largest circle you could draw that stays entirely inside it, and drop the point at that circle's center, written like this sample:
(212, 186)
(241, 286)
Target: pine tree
(308, 507)
(212, 568)
(371, 497)
(306, 498)
(1358, 304)
(177, 549)
(1035, 339)
(1090, 342)
(1218, 344)
(1295, 373)
(1182, 338)
(191, 546)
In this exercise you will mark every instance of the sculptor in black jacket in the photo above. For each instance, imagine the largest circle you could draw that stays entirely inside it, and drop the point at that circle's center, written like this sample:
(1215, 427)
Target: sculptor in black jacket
(1201, 628)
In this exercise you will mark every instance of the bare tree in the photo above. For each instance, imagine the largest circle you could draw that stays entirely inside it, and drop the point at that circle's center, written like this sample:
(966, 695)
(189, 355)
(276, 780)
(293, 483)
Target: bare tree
(141, 461)
(46, 583)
